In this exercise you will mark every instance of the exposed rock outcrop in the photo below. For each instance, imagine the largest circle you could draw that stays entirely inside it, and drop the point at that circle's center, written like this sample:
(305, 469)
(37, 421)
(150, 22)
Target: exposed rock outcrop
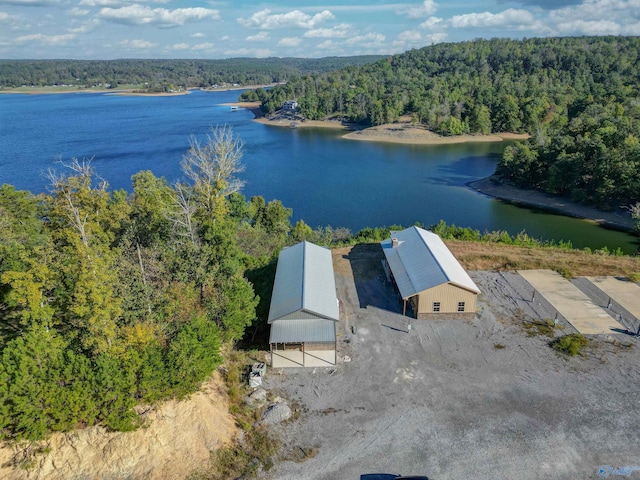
(177, 439)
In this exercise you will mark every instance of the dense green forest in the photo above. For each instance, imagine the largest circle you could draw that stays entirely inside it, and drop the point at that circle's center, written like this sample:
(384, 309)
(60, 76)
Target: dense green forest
(165, 74)
(108, 300)
(578, 98)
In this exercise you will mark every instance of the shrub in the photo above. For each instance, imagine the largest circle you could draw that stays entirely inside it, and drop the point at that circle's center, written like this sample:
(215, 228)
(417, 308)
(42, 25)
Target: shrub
(570, 344)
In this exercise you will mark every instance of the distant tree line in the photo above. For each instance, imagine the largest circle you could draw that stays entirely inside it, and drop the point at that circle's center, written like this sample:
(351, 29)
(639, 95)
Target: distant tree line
(161, 74)
(578, 98)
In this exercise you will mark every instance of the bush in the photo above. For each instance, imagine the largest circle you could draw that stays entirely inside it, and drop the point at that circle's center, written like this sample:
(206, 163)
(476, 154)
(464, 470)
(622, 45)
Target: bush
(570, 344)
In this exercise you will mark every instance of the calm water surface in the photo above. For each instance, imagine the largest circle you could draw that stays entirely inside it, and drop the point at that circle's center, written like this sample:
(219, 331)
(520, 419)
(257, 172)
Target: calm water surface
(325, 179)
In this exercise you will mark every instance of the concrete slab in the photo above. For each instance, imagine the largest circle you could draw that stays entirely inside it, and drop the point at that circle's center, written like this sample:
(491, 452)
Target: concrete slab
(312, 358)
(621, 290)
(571, 303)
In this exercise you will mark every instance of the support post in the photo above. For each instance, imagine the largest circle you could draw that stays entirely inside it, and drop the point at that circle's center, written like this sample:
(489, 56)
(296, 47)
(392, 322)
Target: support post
(303, 354)
(404, 307)
(271, 352)
(533, 297)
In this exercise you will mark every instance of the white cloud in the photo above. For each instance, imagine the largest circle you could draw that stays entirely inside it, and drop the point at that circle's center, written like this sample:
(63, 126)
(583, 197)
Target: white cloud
(264, 20)
(180, 46)
(161, 17)
(339, 31)
(45, 39)
(6, 18)
(203, 46)
(597, 17)
(100, 3)
(84, 27)
(137, 43)
(225, 38)
(428, 7)
(434, 38)
(259, 37)
(197, 35)
(410, 36)
(371, 39)
(247, 52)
(432, 22)
(289, 42)
(510, 18)
(327, 45)
(31, 3)
(78, 12)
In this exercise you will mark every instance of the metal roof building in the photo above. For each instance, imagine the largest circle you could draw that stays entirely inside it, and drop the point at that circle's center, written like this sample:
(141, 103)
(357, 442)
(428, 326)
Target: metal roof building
(304, 308)
(428, 276)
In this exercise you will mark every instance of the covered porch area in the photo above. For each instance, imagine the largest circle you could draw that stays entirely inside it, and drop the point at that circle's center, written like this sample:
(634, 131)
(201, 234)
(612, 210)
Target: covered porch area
(303, 354)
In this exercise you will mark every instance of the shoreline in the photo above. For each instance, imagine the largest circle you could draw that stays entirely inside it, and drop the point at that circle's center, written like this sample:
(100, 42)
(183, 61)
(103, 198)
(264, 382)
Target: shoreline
(124, 91)
(402, 131)
(406, 133)
(493, 187)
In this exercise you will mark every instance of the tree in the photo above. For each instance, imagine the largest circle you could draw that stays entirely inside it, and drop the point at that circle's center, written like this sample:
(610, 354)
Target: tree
(212, 169)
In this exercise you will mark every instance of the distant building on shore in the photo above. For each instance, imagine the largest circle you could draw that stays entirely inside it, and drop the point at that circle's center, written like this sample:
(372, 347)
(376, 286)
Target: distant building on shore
(428, 276)
(290, 106)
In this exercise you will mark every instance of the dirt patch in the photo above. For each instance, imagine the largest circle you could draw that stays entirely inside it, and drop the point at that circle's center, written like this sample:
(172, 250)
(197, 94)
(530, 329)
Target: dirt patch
(441, 399)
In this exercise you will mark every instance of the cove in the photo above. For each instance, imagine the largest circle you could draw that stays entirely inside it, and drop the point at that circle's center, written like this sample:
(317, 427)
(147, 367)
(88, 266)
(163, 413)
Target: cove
(327, 180)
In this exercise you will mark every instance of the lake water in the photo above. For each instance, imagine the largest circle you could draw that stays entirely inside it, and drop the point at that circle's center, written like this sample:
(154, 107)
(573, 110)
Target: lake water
(325, 179)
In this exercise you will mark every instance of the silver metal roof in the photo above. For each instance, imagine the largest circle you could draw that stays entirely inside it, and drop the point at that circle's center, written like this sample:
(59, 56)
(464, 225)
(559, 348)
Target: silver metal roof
(298, 331)
(304, 282)
(421, 261)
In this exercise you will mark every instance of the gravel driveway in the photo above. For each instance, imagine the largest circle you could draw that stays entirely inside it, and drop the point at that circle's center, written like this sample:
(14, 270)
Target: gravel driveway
(459, 399)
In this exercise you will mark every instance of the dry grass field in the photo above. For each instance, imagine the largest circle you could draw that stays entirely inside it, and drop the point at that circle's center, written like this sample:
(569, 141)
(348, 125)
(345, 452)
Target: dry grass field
(570, 263)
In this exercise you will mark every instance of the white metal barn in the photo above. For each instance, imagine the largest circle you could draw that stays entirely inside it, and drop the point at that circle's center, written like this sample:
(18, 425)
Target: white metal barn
(304, 308)
(428, 276)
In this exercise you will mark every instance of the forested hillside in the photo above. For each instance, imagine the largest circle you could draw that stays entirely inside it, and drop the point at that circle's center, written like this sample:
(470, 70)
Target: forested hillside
(161, 74)
(108, 301)
(578, 98)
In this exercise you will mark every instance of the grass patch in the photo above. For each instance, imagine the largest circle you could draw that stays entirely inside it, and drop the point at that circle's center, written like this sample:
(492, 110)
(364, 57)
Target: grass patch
(536, 328)
(571, 345)
(499, 346)
(570, 263)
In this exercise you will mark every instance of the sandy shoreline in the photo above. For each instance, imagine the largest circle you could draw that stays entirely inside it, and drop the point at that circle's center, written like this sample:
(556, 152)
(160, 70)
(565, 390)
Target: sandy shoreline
(493, 187)
(402, 131)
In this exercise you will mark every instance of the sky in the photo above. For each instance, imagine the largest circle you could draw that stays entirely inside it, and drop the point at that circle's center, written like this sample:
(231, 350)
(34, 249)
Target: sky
(110, 29)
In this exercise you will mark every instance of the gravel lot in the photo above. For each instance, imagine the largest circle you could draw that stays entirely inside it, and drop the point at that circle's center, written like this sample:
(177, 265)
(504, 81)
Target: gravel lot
(457, 399)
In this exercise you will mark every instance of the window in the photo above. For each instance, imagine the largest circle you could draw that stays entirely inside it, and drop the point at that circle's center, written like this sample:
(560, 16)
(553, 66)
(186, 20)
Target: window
(436, 306)
(461, 306)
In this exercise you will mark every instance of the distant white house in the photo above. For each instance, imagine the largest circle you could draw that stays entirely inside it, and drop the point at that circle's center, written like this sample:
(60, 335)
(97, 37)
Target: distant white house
(290, 105)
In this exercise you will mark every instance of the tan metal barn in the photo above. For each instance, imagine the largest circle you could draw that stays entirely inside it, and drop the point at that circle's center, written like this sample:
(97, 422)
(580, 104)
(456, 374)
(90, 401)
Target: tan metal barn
(304, 308)
(428, 276)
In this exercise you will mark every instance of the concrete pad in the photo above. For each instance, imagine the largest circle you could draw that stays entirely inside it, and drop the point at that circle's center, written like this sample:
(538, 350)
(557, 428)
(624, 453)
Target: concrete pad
(571, 303)
(312, 358)
(621, 290)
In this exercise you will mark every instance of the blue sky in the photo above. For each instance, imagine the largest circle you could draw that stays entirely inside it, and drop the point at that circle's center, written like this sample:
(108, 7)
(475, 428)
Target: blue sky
(108, 29)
